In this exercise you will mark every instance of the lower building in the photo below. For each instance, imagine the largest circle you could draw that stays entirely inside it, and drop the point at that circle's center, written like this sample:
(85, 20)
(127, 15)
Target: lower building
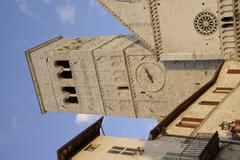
(91, 145)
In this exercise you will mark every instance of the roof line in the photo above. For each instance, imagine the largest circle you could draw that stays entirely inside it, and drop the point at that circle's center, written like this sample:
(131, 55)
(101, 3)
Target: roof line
(80, 141)
(44, 44)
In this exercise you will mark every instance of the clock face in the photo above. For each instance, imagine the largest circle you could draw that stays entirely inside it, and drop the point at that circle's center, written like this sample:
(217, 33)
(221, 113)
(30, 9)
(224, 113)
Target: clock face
(150, 76)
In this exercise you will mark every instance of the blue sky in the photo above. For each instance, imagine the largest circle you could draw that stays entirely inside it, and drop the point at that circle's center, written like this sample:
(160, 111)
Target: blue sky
(24, 132)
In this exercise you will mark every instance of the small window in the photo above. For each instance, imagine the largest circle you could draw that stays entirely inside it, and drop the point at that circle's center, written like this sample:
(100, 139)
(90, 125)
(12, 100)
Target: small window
(70, 90)
(131, 149)
(71, 99)
(128, 153)
(123, 150)
(65, 74)
(118, 148)
(114, 152)
(123, 88)
(91, 147)
(62, 63)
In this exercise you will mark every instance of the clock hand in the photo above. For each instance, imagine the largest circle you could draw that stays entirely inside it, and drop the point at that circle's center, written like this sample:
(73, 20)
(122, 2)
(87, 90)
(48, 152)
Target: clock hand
(109, 107)
(149, 75)
(151, 110)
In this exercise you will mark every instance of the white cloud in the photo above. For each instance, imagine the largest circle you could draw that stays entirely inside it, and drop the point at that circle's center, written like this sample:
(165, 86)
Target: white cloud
(85, 118)
(47, 1)
(66, 14)
(15, 125)
(24, 7)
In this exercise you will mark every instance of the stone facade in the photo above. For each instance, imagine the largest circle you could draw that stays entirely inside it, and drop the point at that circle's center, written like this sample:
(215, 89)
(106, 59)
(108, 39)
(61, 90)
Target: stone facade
(113, 75)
